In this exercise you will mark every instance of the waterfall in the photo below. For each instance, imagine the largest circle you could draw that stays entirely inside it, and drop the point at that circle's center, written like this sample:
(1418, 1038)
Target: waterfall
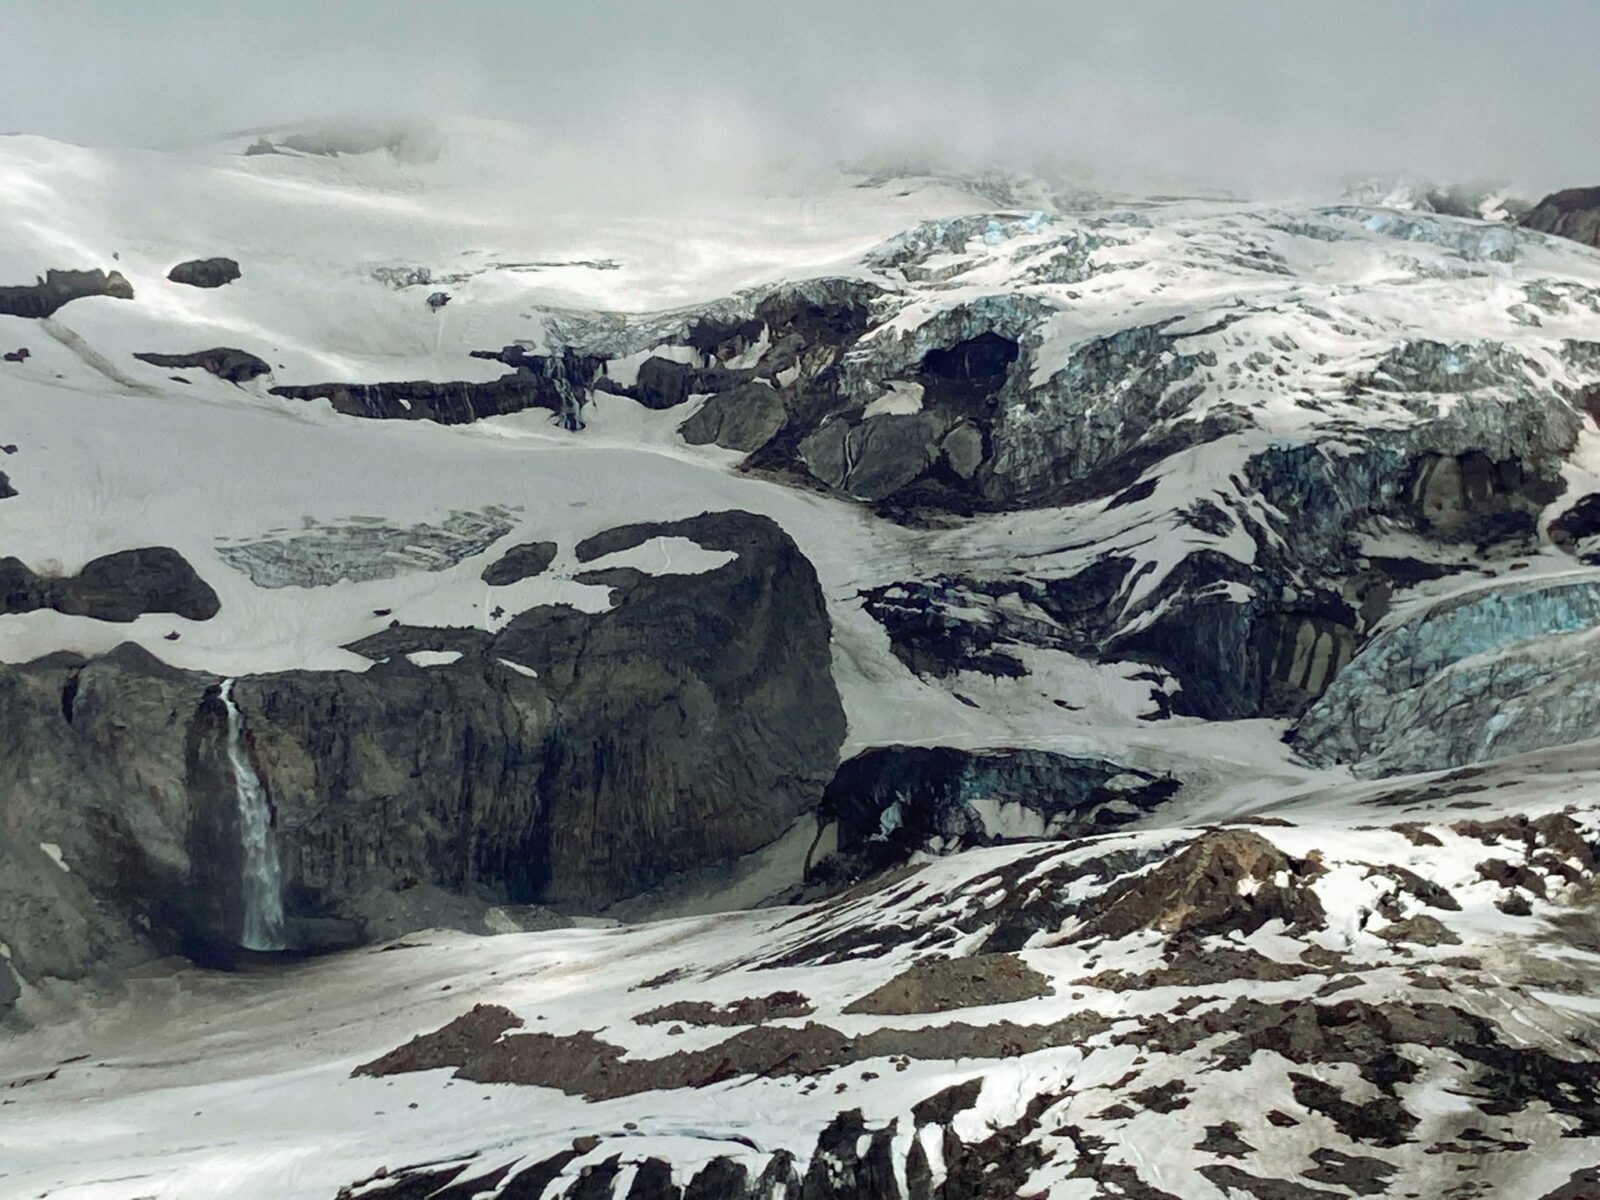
(261, 882)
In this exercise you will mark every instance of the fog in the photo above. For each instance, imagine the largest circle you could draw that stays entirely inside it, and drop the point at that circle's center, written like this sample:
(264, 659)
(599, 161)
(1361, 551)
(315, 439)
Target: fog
(1255, 97)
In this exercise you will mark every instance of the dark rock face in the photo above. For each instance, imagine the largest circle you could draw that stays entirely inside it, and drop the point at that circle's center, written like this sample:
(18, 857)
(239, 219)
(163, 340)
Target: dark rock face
(572, 757)
(10, 988)
(537, 382)
(667, 383)
(1312, 597)
(236, 366)
(520, 562)
(1471, 498)
(927, 640)
(19, 355)
(745, 419)
(43, 297)
(115, 587)
(685, 726)
(876, 458)
(895, 800)
(205, 272)
(1572, 530)
(1574, 214)
(118, 805)
(6, 490)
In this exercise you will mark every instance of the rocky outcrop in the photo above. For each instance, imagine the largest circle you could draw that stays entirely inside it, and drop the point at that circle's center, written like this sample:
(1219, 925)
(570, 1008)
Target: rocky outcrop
(1225, 881)
(1471, 498)
(667, 383)
(890, 802)
(745, 418)
(43, 297)
(235, 366)
(1575, 529)
(519, 563)
(95, 817)
(572, 758)
(537, 382)
(1574, 214)
(948, 984)
(876, 458)
(115, 587)
(205, 272)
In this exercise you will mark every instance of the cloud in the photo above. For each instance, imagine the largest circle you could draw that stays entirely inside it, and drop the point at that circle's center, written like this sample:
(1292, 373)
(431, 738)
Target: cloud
(1258, 96)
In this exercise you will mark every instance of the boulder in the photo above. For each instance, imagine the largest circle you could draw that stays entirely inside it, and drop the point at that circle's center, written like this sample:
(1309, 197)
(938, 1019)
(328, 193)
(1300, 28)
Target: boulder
(205, 272)
(743, 419)
(963, 450)
(667, 383)
(875, 458)
(520, 562)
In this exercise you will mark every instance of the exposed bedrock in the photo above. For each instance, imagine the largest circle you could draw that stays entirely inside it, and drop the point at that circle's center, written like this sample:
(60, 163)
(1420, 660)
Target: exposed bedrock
(572, 758)
(1265, 633)
(235, 366)
(96, 804)
(520, 562)
(745, 418)
(1574, 214)
(1485, 675)
(205, 272)
(1269, 636)
(891, 802)
(43, 297)
(667, 383)
(537, 382)
(1575, 529)
(114, 587)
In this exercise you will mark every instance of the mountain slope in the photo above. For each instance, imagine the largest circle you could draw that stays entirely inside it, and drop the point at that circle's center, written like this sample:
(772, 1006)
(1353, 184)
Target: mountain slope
(1025, 658)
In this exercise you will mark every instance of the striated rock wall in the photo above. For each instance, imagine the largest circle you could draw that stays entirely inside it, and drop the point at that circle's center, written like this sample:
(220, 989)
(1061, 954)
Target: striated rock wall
(573, 758)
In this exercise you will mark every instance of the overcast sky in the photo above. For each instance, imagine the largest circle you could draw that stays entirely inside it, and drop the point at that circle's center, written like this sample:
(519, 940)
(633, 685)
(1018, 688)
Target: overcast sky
(1256, 96)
